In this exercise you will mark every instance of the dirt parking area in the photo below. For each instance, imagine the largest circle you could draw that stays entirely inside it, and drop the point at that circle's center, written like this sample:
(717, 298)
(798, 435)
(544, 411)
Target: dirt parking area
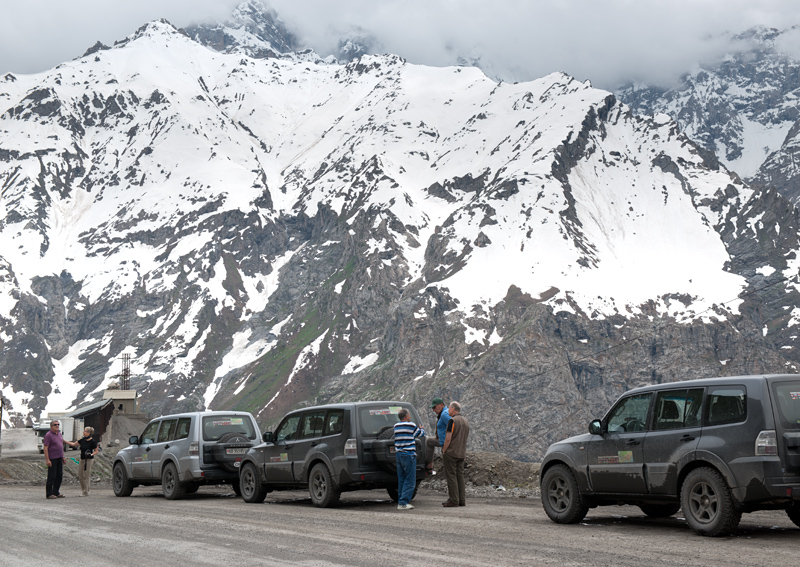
(213, 527)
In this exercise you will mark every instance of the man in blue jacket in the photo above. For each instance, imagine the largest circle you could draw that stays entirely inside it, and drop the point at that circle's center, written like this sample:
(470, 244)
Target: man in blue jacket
(443, 418)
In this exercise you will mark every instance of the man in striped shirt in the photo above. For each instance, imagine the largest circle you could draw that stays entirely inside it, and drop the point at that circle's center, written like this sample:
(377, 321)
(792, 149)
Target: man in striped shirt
(405, 432)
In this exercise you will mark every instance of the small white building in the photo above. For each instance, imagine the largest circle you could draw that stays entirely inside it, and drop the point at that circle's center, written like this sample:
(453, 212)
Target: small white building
(125, 401)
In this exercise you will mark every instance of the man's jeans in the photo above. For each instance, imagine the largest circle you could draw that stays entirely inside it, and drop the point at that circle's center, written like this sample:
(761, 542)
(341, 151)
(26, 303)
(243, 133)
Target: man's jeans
(406, 477)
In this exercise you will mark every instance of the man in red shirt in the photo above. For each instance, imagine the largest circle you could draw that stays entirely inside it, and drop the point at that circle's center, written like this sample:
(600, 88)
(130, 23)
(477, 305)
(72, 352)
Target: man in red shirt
(53, 445)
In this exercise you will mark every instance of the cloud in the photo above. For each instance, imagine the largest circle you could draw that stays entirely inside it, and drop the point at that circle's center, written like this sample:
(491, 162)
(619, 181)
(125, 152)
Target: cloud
(601, 40)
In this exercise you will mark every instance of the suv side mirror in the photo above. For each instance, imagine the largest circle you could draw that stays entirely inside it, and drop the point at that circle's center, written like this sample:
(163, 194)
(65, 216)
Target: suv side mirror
(133, 440)
(596, 427)
(267, 437)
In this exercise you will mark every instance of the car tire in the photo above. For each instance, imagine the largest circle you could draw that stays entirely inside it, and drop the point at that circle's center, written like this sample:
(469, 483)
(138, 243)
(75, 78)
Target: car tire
(122, 484)
(251, 488)
(171, 485)
(659, 510)
(324, 493)
(794, 515)
(561, 498)
(707, 503)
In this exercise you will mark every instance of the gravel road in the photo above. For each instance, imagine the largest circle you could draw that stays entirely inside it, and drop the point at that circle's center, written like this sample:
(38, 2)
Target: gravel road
(213, 527)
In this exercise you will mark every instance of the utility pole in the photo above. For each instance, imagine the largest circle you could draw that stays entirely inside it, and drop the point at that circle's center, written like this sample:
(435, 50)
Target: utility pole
(2, 405)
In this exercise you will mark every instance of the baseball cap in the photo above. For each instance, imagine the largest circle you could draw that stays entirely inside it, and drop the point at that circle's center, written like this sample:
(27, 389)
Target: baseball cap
(436, 402)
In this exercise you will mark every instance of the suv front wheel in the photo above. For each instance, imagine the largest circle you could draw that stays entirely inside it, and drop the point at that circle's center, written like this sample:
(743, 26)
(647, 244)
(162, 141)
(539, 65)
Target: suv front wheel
(122, 484)
(320, 486)
(560, 496)
(707, 503)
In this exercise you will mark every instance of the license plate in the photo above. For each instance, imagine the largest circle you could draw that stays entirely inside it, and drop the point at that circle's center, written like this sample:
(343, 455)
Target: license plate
(235, 451)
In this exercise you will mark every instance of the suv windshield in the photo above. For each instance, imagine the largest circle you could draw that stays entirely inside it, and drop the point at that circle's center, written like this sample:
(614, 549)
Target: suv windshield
(374, 419)
(788, 396)
(215, 426)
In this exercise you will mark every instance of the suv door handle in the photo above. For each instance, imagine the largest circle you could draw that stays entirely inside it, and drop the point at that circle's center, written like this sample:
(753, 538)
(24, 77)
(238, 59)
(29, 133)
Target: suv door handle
(632, 442)
(166, 446)
(687, 438)
(147, 449)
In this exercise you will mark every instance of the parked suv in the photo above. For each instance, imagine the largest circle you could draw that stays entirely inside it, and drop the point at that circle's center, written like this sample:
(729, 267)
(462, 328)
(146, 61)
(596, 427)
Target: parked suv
(181, 452)
(329, 449)
(715, 448)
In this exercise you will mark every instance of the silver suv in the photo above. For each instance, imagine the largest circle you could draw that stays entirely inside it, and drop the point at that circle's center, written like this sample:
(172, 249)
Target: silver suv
(181, 452)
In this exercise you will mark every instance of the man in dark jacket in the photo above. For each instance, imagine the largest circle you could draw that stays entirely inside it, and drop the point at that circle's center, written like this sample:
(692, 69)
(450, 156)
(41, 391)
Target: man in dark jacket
(454, 451)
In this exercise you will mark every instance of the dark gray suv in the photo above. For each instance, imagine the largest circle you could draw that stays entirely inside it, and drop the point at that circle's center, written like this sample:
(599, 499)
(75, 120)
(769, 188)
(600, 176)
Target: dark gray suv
(715, 448)
(329, 449)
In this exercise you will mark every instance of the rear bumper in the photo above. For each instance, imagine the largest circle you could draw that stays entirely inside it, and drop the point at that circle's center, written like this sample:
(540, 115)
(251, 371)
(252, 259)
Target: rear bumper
(783, 488)
(383, 475)
(211, 475)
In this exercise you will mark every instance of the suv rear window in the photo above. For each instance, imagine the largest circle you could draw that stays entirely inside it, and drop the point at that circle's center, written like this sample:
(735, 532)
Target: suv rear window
(727, 404)
(788, 396)
(216, 426)
(374, 419)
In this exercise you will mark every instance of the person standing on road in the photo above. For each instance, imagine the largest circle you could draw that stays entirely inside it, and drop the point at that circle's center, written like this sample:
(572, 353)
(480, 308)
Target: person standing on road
(89, 448)
(454, 451)
(53, 445)
(405, 433)
(443, 418)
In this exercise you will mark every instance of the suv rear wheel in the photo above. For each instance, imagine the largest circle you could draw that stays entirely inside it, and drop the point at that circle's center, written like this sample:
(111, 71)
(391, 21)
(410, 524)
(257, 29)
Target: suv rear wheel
(560, 496)
(707, 503)
(794, 515)
(395, 495)
(172, 487)
(252, 491)
(321, 488)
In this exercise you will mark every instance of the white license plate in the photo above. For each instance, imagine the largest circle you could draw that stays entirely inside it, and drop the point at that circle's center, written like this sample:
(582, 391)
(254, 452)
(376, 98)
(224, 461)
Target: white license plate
(235, 451)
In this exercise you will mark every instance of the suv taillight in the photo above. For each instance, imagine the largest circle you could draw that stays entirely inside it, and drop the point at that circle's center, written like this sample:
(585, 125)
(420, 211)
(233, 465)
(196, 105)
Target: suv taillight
(350, 448)
(767, 443)
(194, 448)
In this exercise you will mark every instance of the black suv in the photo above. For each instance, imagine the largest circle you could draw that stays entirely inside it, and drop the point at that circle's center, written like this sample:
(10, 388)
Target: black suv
(714, 447)
(331, 449)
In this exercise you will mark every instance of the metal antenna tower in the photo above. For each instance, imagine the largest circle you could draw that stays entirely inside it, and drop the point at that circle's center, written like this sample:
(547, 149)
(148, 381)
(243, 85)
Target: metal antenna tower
(125, 377)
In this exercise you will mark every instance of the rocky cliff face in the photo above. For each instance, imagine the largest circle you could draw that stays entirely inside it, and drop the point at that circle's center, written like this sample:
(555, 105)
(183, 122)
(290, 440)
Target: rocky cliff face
(267, 233)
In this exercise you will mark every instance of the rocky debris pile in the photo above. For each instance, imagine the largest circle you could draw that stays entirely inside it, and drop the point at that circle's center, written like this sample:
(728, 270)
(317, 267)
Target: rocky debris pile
(32, 470)
(490, 475)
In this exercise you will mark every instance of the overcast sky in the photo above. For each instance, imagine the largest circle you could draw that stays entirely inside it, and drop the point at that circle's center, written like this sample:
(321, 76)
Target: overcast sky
(600, 40)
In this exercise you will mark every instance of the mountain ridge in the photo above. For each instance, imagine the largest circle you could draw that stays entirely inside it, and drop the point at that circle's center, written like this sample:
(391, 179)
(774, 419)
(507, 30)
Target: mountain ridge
(262, 233)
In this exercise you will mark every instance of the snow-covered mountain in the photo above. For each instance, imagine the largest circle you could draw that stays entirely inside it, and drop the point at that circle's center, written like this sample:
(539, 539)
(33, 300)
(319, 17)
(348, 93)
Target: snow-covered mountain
(744, 108)
(268, 232)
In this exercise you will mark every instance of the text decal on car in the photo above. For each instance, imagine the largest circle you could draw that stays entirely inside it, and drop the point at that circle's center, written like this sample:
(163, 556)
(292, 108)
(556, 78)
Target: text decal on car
(234, 421)
(621, 457)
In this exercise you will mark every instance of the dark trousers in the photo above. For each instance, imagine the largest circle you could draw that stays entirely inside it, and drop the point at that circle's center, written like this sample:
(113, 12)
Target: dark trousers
(454, 473)
(406, 477)
(55, 472)
(430, 445)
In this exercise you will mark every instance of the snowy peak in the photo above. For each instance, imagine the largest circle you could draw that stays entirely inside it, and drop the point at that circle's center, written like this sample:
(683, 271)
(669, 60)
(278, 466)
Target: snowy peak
(253, 29)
